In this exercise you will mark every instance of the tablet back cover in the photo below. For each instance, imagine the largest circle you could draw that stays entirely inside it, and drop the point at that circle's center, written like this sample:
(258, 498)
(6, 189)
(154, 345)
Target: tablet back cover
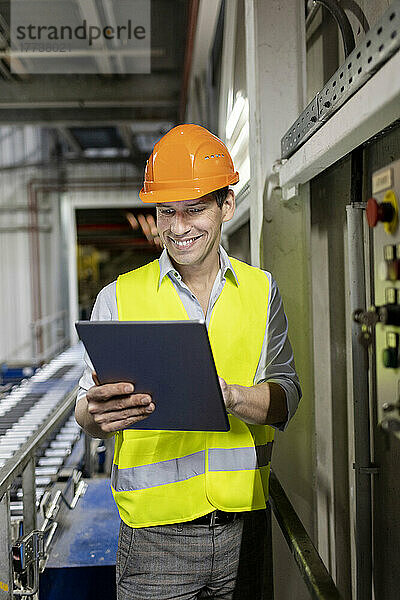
(172, 361)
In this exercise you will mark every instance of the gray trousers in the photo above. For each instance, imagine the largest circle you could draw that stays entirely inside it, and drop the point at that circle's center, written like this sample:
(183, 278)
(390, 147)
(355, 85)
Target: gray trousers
(230, 562)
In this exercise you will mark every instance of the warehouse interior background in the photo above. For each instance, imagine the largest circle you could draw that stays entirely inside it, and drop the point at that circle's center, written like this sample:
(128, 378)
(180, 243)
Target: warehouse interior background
(72, 155)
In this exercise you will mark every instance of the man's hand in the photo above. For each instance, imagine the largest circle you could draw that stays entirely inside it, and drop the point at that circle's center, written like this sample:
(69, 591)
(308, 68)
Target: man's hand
(263, 404)
(227, 393)
(110, 407)
(114, 406)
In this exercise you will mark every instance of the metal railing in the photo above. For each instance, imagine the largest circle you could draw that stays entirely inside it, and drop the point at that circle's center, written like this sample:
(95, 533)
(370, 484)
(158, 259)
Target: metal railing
(313, 571)
(48, 336)
(23, 463)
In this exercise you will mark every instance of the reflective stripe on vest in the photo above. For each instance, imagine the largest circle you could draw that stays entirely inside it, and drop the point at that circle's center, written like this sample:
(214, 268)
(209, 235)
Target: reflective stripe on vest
(160, 473)
(180, 469)
(239, 459)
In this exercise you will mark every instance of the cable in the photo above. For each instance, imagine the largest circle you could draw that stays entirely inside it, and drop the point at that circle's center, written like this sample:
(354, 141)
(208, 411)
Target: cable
(343, 22)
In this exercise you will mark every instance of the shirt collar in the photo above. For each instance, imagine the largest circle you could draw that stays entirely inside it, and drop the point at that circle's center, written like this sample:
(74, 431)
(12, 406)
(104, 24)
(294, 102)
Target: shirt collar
(166, 266)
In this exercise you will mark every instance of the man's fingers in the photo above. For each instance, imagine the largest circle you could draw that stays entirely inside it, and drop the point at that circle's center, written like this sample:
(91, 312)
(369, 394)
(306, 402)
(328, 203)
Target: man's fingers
(109, 390)
(99, 405)
(124, 415)
(123, 424)
(95, 378)
(113, 406)
(124, 402)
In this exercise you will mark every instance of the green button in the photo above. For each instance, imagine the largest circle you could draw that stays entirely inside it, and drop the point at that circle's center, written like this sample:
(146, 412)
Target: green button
(391, 295)
(390, 359)
(389, 252)
(392, 340)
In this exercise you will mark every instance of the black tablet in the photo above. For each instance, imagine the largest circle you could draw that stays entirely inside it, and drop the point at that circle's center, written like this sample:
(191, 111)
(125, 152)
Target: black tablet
(170, 360)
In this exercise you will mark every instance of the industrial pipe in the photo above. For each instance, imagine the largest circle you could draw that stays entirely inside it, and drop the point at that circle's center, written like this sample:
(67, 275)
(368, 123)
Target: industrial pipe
(362, 449)
(190, 36)
(343, 22)
(34, 243)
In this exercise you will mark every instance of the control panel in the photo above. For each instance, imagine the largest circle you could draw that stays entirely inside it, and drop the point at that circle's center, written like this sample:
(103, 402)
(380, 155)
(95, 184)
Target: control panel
(383, 218)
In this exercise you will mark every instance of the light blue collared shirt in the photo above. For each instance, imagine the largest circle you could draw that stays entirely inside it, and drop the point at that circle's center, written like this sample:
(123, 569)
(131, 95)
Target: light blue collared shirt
(276, 361)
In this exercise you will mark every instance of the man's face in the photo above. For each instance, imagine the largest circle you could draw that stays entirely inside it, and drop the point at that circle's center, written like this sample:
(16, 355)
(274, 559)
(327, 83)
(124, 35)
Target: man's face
(190, 229)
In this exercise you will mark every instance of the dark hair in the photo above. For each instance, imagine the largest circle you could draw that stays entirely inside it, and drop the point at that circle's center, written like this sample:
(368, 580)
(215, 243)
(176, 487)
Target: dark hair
(220, 195)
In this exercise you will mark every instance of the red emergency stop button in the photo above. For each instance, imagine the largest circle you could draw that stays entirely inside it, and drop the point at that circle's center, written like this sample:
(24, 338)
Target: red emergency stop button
(383, 212)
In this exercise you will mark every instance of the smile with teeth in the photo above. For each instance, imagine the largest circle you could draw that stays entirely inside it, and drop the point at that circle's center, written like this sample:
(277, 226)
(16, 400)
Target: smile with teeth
(185, 243)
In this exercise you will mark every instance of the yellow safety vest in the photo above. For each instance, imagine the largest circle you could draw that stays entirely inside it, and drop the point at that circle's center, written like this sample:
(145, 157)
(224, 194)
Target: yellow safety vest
(161, 477)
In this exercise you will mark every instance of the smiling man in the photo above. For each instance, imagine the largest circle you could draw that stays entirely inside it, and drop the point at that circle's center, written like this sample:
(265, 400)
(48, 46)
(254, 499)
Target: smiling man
(190, 232)
(195, 529)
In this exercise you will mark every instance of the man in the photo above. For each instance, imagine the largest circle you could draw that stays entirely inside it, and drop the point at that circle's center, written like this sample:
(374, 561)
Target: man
(192, 504)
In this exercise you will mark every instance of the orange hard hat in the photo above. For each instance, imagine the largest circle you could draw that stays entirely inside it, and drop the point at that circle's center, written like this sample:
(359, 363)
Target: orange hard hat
(188, 162)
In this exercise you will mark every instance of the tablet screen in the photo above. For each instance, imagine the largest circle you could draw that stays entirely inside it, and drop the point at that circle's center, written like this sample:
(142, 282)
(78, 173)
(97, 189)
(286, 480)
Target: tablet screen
(170, 360)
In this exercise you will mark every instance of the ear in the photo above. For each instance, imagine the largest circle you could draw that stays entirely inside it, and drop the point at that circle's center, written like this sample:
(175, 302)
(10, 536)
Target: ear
(229, 206)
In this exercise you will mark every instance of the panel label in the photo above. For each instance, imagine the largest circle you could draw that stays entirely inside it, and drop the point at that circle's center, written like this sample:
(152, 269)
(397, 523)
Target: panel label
(382, 181)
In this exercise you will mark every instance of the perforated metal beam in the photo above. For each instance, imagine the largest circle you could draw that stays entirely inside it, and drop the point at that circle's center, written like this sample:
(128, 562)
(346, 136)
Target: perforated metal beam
(379, 44)
(373, 108)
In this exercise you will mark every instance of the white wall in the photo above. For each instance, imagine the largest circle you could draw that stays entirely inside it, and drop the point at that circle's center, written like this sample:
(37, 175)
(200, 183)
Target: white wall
(22, 146)
(32, 149)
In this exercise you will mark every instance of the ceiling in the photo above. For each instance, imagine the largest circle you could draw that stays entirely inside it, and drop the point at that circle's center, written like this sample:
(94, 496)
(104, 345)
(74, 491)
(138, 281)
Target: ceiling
(117, 115)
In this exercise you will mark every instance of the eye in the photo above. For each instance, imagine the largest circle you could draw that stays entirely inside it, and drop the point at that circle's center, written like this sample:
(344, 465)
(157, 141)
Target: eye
(195, 210)
(166, 211)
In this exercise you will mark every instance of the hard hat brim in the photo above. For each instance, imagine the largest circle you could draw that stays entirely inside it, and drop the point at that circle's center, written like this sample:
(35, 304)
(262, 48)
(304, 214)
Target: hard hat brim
(179, 193)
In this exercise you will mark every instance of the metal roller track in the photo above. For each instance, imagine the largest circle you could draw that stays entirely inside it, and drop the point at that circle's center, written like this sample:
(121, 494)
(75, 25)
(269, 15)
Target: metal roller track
(24, 411)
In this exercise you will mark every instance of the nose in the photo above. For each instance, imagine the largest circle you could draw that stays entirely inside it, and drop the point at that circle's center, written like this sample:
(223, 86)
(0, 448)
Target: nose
(179, 224)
